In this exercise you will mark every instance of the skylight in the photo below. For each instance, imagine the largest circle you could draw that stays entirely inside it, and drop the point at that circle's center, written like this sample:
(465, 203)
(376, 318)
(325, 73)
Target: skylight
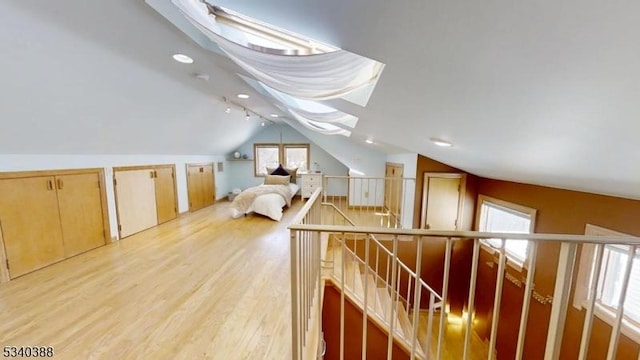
(264, 37)
(310, 70)
(311, 110)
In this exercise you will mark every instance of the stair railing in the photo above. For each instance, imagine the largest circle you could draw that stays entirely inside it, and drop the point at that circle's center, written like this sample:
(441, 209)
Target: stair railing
(307, 233)
(380, 266)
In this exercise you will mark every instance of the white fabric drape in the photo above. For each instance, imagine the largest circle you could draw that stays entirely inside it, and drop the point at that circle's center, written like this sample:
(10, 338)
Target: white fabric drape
(323, 113)
(323, 128)
(314, 77)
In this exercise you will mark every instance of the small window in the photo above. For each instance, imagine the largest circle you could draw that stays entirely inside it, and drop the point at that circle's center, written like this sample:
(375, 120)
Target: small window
(501, 216)
(614, 263)
(265, 155)
(609, 287)
(289, 155)
(296, 156)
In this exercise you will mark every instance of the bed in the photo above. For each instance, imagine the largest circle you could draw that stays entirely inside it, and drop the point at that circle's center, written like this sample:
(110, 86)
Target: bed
(267, 200)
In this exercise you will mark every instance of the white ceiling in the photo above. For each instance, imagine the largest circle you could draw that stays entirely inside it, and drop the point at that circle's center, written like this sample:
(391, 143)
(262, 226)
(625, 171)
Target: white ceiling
(544, 92)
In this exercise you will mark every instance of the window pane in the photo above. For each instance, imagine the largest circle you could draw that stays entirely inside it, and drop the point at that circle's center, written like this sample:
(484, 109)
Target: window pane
(266, 156)
(610, 287)
(296, 157)
(496, 218)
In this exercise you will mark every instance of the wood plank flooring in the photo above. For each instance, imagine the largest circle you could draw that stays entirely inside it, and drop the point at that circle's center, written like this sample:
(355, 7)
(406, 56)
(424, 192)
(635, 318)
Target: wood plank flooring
(203, 286)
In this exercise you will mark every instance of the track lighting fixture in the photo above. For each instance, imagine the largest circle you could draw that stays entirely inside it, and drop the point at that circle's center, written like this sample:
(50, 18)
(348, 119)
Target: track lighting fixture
(247, 112)
(228, 109)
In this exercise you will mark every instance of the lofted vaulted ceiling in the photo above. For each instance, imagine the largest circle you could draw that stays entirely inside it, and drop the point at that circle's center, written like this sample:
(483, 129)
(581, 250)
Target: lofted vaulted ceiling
(543, 92)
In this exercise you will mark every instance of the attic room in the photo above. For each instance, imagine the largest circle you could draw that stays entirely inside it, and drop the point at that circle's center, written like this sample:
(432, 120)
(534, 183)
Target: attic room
(481, 153)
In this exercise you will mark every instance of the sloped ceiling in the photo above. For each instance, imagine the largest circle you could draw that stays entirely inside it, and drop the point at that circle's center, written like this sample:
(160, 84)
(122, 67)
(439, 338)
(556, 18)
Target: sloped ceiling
(541, 92)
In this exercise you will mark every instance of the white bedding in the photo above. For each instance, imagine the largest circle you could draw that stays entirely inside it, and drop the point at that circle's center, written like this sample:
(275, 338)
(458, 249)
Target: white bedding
(269, 205)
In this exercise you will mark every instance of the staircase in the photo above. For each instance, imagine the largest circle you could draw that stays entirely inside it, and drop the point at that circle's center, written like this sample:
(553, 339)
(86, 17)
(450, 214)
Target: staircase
(384, 306)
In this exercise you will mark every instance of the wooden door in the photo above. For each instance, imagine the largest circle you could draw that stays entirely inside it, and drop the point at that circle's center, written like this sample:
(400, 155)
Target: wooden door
(208, 185)
(165, 194)
(441, 201)
(135, 200)
(393, 188)
(30, 224)
(194, 185)
(80, 205)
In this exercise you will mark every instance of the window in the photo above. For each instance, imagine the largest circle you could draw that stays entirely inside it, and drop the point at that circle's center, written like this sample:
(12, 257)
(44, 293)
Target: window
(264, 37)
(614, 263)
(609, 287)
(289, 155)
(296, 156)
(501, 216)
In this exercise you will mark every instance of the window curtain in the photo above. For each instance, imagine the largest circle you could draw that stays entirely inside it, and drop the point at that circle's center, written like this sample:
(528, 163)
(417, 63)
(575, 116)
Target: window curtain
(314, 77)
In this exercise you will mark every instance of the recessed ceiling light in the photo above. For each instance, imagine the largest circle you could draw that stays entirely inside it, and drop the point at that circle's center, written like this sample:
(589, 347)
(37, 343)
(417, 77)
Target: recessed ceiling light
(368, 141)
(274, 115)
(183, 58)
(441, 142)
(242, 96)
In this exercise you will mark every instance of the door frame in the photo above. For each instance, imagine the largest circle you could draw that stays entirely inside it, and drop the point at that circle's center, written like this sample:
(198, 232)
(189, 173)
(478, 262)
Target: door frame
(425, 194)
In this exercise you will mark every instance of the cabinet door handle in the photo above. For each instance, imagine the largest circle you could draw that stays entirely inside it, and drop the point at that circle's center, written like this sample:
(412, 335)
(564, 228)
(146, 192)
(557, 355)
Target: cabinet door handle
(60, 184)
(151, 174)
(49, 185)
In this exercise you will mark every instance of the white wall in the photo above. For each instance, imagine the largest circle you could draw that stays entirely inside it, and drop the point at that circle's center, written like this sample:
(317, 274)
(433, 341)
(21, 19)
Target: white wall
(410, 162)
(241, 174)
(107, 162)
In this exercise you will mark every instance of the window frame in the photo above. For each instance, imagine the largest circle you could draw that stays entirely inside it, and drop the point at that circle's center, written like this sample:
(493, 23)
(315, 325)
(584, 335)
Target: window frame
(281, 154)
(296, 146)
(584, 281)
(517, 208)
(256, 158)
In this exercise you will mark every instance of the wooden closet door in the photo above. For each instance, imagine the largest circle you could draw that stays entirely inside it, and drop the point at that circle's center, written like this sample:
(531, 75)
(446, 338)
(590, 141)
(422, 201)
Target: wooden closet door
(441, 201)
(136, 201)
(194, 183)
(30, 224)
(393, 188)
(208, 186)
(165, 195)
(80, 207)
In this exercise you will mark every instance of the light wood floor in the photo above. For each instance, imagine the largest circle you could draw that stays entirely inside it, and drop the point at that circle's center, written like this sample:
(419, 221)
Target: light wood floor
(200, 287)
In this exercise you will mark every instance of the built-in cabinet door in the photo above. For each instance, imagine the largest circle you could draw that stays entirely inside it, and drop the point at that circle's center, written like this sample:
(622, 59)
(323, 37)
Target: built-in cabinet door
(80, 205)
(441, 201)
(208, 190)
(165, 194)
(136, 201)
(194, 183)
(30, 223)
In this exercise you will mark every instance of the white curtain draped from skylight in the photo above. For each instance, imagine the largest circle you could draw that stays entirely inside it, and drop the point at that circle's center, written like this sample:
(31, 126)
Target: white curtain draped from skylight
(315, 77)
(323, 128)
(307, 109)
